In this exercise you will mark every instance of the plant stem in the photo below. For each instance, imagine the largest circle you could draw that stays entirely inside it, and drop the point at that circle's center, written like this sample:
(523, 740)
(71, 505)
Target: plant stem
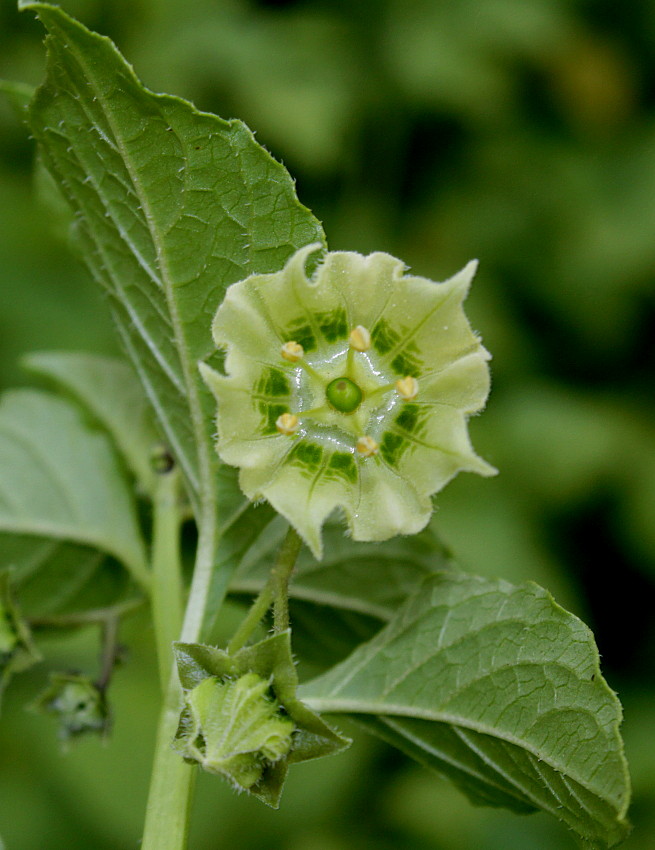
(86, 618)
(171, 789)
(280, 577)
(252, 619)
(172, 781)
(275, 590)
(166, 570)
(110, 652)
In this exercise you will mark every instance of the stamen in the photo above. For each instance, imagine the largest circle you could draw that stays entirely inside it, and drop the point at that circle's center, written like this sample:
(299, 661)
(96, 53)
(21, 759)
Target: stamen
(292, 351)
(360, 338)
(407, 388)
(367, 446)
(287, 424)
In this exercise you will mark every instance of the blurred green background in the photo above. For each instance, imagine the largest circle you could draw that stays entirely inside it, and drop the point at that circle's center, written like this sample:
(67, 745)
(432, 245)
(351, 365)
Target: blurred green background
(521, 132)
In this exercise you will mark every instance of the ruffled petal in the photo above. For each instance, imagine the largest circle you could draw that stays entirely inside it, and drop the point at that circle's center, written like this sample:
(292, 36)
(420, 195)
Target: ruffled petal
(378, 452)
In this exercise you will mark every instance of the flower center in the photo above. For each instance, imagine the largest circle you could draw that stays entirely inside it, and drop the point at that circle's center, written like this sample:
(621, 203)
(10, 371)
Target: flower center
(343, 395)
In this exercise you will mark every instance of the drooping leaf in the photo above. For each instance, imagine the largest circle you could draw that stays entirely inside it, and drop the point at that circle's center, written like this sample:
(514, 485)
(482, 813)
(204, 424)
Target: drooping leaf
(172, 206)
(61, 479)
(342, 600)
(108, 388)
(498, 688)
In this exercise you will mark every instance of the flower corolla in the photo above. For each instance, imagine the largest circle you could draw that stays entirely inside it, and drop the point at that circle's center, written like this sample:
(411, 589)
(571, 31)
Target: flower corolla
(349, 389)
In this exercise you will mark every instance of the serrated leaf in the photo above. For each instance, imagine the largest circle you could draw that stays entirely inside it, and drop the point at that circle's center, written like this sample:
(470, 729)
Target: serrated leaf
(172, 206)
(108, 388)
(342, 600)
(61, 479)
(500, 689)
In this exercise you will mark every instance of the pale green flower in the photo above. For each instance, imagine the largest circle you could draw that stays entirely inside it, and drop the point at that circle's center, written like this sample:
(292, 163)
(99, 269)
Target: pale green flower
(348, 390)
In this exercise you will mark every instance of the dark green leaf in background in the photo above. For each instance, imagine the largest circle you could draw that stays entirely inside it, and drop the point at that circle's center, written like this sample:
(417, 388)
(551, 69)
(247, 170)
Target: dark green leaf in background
(61, 479)
(17, 650)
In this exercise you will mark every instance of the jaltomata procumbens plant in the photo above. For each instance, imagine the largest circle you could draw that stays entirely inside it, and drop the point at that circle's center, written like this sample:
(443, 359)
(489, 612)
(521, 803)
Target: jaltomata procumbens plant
(290, 401)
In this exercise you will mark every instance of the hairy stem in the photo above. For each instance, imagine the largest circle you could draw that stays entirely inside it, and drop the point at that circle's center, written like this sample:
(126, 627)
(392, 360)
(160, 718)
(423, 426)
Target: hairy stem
(276, 590)
(252, 619)
(281, 575)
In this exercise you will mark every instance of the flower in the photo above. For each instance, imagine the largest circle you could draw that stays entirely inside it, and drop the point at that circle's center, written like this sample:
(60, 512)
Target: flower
(350, 389)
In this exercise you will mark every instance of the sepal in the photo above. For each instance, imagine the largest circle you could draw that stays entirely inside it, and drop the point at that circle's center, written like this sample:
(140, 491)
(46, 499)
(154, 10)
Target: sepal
(269, 662)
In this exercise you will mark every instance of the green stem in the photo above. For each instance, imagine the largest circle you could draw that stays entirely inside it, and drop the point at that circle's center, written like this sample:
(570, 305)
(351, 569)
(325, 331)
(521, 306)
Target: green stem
(252, 619)
(109, 653)
(172, 783)
(280, 577)
(85, 618)
(166, 570)
(276, 590)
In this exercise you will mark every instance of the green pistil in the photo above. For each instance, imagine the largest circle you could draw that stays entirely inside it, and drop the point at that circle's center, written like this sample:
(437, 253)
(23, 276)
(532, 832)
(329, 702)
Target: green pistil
(343, 395)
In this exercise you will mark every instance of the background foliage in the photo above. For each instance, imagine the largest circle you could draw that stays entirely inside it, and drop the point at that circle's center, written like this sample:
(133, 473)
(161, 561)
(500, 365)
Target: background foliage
(518, 131)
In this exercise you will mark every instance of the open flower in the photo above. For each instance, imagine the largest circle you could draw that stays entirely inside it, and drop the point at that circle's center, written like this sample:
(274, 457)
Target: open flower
(348, 390)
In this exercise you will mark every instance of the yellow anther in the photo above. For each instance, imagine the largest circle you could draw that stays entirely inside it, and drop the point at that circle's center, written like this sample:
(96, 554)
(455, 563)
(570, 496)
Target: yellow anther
(292, 351)
(367, 446)
(360, 338)
(287, 424)
(407, 388)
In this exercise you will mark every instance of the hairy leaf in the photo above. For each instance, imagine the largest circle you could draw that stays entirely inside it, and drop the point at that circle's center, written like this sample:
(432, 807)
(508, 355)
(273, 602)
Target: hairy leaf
(61, 479)
(172, 206)
(500, 689)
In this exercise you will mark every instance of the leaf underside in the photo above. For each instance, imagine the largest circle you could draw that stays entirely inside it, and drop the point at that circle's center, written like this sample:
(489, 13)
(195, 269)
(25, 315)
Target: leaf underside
(172, 205)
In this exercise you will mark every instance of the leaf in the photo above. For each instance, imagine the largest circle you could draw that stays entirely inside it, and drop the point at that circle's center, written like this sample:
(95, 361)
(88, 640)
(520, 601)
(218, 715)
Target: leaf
(500, 689)
(172, 206)
(108, 388)
(55, 578)
(61, 479)
(342, 600)
(18, 95)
